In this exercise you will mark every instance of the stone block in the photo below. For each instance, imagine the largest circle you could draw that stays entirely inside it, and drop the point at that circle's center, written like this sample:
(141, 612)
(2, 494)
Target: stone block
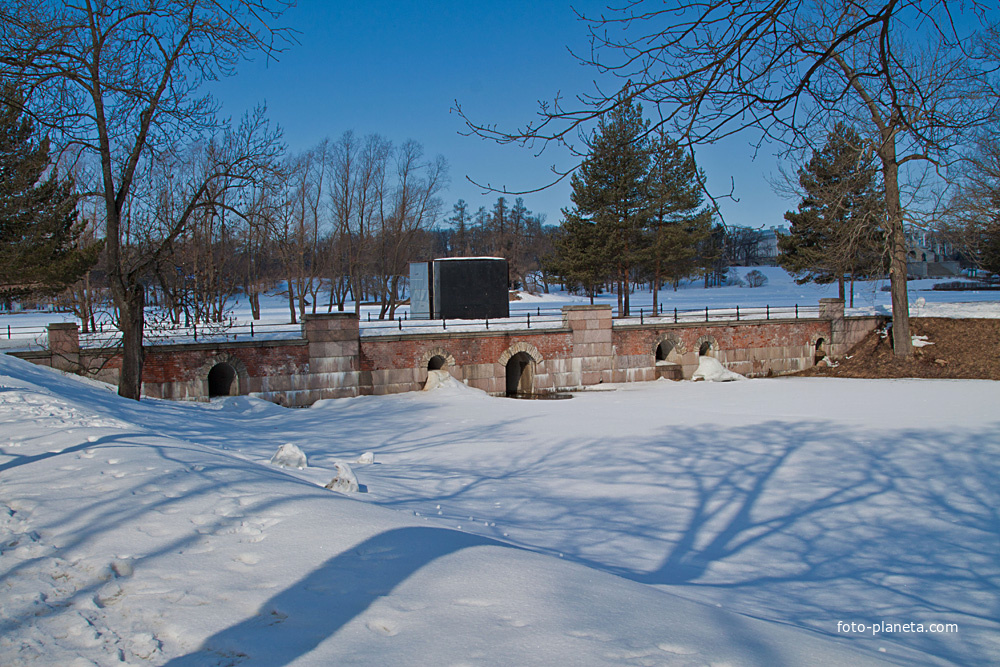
(596, 363)
(331, 335)
(349, 348)
(333, 364)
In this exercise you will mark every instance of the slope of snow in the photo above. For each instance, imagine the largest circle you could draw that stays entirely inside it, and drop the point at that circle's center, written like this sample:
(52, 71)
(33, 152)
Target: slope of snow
(663, 523)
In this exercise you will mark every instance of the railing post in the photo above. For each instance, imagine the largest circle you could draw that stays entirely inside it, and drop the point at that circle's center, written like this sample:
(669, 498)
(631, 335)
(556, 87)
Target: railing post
(706, 313)
(400, 323)
(487, 323)
(251, 328)
(768, 307)
(796, 311)
(640, 316)
(444, 325)
(675, 314)
(529, 320)
(737, 313)
(195, 327)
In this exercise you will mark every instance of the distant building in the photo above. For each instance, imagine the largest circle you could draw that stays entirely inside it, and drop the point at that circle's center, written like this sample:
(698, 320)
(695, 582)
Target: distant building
(767, 245)
(929, 255)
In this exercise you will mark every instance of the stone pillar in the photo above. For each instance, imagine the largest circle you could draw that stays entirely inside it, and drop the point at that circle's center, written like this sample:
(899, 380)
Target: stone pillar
(64, 345)
(593, 355)
(334, 357)
(833, 310)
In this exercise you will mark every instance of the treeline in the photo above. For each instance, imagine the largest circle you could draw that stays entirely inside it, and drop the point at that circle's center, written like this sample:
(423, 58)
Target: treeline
(508, 231)
(334, 224)
(637, 212)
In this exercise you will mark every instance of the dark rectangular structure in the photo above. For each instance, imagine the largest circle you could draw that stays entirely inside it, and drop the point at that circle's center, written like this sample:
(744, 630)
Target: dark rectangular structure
(460, 288)
(470, 288)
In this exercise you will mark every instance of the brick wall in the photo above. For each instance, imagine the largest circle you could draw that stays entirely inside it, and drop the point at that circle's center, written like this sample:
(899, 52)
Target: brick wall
(332, 360)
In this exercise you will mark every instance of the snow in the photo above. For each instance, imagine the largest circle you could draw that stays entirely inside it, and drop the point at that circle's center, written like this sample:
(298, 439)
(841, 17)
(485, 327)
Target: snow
(655, 523)
(345, 481)
(711, 370)
(289, 456)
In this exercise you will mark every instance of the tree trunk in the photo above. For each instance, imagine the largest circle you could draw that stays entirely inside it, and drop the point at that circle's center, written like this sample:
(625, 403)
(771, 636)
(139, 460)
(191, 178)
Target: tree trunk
(291, 300)
(656, 292)
(902, 345)
(131, 315)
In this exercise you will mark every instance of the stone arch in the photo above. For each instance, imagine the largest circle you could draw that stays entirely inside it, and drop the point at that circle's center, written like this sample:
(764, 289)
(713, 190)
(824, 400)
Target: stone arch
(519, 361)
(707, 346)
(819, 347)
(668, 349)
(527, 348)
(436, 358)
(224, 375)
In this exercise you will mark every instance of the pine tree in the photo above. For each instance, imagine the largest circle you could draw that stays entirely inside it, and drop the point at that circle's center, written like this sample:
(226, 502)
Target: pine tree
(677, 222)
(39, 236)
(836, 231)
(461, 220)
(580, 254)
(610, 190)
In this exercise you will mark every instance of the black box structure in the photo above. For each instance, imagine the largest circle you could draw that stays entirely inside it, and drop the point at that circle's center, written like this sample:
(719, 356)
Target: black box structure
(460, 288)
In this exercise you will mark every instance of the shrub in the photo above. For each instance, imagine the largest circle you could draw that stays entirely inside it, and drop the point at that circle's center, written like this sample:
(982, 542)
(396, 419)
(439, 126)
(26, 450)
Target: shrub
(755, 279)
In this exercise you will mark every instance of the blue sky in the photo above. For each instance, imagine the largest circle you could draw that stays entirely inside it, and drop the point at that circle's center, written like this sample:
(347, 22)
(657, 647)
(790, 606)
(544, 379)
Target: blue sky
(396, 68)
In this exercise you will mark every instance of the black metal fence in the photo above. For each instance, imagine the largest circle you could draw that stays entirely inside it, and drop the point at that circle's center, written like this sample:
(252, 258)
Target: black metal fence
(520, 319)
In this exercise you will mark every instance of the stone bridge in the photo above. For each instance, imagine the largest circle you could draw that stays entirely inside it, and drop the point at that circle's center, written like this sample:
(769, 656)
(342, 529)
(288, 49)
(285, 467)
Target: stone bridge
(332, 359)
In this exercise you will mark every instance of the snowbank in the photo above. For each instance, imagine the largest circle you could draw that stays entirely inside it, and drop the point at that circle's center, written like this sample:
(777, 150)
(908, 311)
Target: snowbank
(439, 378)
(711, 370)
(724, 529)
(345, 481)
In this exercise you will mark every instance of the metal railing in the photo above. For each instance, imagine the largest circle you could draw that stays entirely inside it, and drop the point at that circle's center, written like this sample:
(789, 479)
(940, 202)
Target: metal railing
(521, 318)
(664, 315)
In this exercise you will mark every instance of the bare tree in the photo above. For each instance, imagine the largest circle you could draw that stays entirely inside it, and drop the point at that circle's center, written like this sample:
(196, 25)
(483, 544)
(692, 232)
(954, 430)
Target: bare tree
(121, 80)
(917, 74)
(972, 217)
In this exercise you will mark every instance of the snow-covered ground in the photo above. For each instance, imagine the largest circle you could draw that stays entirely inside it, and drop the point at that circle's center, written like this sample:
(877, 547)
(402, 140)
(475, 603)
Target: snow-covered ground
(27, 328)
(660, 523)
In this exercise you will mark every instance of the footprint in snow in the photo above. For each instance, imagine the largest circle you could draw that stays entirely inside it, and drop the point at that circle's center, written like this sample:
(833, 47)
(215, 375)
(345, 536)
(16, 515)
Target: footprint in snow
(247, 558)
(383, 627)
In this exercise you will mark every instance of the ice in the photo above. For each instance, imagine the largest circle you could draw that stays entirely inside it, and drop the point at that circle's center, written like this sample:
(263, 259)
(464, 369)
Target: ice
(289, 456)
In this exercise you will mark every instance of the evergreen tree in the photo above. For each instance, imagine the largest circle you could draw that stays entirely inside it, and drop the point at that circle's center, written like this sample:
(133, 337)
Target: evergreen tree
(836, 231)
(610, 190)
(581, 257)
(677, 223)
(461, 220)
(39, 236)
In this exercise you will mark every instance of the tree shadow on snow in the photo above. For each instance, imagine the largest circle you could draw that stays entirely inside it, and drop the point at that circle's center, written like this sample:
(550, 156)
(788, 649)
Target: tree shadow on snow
(299, 618)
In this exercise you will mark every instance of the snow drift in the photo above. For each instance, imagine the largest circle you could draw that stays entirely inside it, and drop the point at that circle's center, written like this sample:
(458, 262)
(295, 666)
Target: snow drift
(711, 370)
(523, 532)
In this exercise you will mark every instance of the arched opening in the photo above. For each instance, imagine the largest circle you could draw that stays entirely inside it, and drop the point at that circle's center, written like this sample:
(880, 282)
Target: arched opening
(706, 349)
(663, 350)
(436, 363)
(520, 374)
(222, 380)
(819, 353)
